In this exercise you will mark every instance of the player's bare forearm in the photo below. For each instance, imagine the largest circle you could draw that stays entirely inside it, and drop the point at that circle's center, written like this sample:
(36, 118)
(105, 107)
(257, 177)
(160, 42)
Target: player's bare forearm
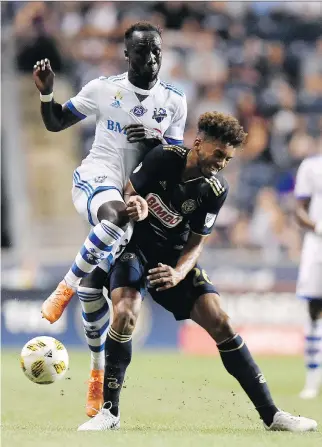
(129, 192)
(190, 254)
(302, 216)
(136, 206)
(56, 117)
(164, 276)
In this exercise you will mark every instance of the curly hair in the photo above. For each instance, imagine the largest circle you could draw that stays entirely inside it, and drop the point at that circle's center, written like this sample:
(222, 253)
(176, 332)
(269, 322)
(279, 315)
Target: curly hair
(141, 26)
(222, 127)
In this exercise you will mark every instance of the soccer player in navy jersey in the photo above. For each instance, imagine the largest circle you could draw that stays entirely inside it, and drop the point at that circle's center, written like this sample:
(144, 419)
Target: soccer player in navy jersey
(185, 191)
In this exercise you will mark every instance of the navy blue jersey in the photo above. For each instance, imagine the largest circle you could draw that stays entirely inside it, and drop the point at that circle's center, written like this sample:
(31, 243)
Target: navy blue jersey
(176, 207)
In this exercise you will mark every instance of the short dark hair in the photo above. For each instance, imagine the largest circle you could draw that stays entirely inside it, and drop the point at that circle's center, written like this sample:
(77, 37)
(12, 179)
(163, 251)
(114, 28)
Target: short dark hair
(141, 26)
(222, 127)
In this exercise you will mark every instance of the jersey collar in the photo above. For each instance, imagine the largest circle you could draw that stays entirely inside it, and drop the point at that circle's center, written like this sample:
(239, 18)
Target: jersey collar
(140, 91)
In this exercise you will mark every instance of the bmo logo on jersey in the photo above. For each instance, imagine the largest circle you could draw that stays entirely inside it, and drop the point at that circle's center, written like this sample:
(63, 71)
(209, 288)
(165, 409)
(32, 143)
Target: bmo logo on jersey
(115, 126)
(159, 210)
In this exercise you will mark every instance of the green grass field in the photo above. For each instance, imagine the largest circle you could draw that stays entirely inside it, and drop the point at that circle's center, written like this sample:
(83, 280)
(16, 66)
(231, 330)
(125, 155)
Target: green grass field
(168, 400)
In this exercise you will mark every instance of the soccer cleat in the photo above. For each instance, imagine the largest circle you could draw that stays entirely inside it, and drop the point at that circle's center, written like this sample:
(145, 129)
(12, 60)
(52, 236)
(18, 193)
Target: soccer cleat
(309, 393)
(104, 420)
(54, 306)
(287, 422)
(95, 392)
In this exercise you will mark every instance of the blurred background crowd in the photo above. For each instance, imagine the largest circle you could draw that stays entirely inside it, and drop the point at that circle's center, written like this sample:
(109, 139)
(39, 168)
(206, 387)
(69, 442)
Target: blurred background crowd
(260, 61)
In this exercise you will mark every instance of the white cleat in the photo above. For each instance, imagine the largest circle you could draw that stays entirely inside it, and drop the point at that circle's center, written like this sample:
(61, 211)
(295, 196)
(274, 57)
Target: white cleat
(104, 420)
(287, 422)
(309, 393)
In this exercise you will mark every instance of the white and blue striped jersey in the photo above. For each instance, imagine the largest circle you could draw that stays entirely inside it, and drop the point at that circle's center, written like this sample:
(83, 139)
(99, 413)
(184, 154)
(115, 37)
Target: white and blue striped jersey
(114, 102)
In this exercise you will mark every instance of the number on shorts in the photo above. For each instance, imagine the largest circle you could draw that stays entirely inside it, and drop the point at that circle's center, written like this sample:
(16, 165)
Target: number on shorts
(200, 277)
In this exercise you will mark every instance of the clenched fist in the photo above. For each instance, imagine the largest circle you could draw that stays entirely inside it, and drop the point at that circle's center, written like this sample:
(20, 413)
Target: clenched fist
(137, 208)
(43, 76)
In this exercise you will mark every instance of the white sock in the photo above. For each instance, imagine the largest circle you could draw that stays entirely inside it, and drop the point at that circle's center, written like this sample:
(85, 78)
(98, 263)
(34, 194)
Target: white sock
(96, 317)
(98, 246)
(313, 354)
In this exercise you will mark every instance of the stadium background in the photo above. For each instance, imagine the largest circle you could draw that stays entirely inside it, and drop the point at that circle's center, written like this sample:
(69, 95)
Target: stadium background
(260, 61)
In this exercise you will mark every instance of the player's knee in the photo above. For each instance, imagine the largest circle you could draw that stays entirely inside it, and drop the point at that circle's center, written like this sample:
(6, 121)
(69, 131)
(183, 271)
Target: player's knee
(125, 317)
(94, 280)
(114, 212)
(124, 321)
(209, 314)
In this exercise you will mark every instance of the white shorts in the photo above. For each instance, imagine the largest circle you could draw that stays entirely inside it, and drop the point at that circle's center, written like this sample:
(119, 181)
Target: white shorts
(91, 188)
(89, 181)
(309, 283)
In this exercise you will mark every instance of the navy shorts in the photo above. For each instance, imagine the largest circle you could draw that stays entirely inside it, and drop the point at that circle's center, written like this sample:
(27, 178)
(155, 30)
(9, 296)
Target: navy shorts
(130, 270)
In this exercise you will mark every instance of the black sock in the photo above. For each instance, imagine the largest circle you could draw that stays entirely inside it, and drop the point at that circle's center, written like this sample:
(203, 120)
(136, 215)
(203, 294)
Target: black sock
(118, 354)
(239, 362)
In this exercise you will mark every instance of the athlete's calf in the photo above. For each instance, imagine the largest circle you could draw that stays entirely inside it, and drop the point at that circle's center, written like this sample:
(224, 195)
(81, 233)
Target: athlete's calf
(118, 345)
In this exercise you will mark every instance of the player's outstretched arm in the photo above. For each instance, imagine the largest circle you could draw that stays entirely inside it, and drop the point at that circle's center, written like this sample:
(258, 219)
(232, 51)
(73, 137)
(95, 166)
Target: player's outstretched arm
(164, 277)
(54, 115)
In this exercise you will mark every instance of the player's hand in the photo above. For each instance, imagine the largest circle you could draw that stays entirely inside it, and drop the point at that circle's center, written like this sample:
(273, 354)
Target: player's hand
(44, 76)
(136, 133)
(137, 208)
(164, 277)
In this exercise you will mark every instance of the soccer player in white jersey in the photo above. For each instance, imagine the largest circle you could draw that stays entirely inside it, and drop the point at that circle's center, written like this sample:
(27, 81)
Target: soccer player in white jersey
(308, 191)
(133, 110)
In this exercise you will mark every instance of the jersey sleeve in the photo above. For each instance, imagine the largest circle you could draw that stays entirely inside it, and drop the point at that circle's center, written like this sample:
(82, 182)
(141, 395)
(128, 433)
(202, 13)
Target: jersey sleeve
(204, 218)
(303, 184)
(158, 164)
(174, 133)
(85, 102)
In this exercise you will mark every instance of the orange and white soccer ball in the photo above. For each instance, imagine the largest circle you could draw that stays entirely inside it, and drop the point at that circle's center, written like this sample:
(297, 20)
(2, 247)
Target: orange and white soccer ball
(44, 360)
